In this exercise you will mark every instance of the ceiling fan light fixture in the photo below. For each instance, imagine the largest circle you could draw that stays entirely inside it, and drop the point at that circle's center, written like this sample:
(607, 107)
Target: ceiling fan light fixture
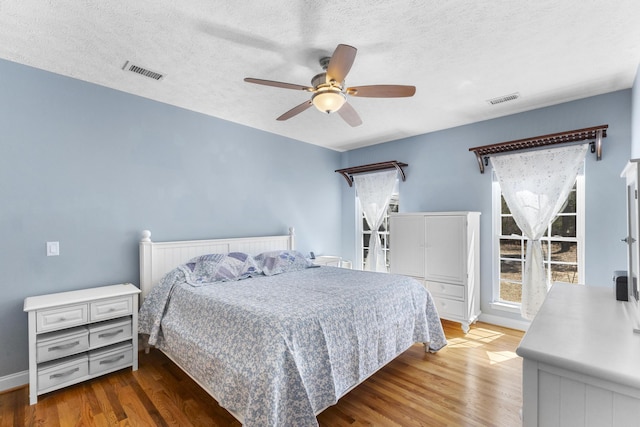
(329, 101)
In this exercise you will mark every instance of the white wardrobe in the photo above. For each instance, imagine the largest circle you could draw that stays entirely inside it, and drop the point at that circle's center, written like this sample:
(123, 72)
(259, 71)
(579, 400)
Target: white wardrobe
(441, 250)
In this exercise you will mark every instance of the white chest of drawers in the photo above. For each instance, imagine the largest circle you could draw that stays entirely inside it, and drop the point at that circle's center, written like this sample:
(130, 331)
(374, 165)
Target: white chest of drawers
(78, 335)
(333, 261)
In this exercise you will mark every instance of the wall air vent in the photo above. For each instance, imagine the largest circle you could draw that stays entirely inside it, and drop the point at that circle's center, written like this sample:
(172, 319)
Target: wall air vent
(128, 66)
(505, 98)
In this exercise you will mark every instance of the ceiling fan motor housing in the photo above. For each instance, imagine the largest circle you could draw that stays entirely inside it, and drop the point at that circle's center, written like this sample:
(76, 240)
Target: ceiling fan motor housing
(319, 79)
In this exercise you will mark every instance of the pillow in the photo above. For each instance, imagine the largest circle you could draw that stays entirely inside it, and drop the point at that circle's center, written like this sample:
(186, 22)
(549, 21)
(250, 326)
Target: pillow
(277, 262)
(212, 268)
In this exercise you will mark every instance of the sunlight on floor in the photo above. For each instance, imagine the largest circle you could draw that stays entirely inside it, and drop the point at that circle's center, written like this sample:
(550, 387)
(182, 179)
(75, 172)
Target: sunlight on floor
(500, 356)
(463, 342)
(476, 337)
(479, 337)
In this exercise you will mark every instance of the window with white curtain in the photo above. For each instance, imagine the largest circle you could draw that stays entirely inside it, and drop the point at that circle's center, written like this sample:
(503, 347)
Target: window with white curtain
(562, 243)
(364, 232)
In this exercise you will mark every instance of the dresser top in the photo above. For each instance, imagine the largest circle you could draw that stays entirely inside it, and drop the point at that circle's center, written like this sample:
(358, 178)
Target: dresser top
(79, 296)
(584, 329)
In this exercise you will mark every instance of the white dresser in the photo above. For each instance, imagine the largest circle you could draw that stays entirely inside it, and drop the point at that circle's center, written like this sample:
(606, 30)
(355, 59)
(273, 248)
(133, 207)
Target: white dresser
(441, 250)
(581, 360)
(78, 335)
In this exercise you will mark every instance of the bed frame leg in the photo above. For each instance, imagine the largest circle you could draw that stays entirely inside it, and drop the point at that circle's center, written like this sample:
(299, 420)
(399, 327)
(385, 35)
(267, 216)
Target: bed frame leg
(144, 343)
(427, 349)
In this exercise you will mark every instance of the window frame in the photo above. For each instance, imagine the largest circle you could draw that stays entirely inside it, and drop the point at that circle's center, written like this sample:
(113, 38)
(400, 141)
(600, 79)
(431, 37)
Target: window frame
(496, 215)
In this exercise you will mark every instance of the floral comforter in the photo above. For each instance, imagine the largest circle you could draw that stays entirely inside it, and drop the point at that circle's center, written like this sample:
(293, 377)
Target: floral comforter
(276, 350)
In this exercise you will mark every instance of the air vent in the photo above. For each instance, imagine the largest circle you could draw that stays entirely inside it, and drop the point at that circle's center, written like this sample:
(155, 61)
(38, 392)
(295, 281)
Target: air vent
(128, 66)
(506, 98)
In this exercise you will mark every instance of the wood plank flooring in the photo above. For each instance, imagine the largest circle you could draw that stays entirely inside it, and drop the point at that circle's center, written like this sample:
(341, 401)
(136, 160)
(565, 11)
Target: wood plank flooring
(474, 381)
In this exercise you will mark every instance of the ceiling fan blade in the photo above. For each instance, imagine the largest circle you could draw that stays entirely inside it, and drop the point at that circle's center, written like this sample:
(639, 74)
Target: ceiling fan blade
(278, 84)
(349, 114)
(295, 110)
(341, 62)
(382, 91)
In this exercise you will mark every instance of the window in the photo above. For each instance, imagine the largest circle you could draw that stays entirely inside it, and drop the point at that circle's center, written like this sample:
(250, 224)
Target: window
(383, 231)
(562, 245)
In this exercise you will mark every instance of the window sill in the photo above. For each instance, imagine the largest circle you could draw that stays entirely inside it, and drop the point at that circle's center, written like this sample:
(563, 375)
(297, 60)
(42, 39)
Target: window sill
(506, 306)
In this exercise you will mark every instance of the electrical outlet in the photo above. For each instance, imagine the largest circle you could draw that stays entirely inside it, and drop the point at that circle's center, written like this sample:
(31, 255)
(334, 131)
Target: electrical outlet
(53, 248)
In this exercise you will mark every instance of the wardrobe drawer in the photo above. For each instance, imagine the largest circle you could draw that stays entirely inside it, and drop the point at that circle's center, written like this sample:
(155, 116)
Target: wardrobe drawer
(55, 345)
(109, 332)
(110, 308)
(449, 308)
(60, 372)
(60, 318)
(446, 289)
(110, 358)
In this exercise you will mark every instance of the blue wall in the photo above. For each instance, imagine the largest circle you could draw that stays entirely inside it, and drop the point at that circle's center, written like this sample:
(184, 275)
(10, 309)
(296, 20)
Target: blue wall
(91, 167)
(444, 176)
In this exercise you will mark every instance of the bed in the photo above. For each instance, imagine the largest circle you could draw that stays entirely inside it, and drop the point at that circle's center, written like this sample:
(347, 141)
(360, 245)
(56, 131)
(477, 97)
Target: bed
(282, 343)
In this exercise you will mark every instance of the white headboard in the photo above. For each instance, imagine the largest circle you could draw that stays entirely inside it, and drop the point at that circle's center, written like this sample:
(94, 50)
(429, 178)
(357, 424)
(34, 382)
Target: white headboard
(158, 258)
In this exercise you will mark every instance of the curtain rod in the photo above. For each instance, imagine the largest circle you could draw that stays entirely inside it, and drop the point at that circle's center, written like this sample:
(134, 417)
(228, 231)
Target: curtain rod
(348, 172)
(595, 134)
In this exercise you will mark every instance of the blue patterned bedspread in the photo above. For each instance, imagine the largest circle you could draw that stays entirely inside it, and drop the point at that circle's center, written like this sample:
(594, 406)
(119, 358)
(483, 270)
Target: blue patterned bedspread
(276, 350)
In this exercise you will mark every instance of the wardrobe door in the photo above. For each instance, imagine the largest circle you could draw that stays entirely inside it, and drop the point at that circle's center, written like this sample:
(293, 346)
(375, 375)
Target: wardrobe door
(445, 248)
(407, 245)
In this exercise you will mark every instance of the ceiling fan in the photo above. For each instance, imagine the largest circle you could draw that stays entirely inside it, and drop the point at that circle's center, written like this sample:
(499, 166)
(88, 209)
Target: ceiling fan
(329, 93)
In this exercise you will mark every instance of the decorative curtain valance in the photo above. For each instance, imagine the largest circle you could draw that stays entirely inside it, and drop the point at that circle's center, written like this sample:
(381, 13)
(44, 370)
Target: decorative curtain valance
(348, 173)
(593, 134)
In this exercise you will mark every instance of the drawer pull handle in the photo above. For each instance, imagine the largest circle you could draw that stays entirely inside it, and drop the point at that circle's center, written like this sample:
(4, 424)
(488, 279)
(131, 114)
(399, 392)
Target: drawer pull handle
(62, 319)
(111, 334)
(64, 346)
(112, 309)
(112, 360)
(64, 374)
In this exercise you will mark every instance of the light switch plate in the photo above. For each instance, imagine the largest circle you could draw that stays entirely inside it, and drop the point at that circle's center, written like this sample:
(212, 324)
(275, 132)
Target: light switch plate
(53, 248)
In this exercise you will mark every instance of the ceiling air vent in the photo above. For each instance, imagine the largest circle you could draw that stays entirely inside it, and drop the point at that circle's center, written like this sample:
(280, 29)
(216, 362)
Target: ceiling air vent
(128, 66)
(505, 98)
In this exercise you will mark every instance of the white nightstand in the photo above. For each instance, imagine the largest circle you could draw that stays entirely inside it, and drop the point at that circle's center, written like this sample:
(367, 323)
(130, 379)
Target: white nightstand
(78, 335)
(334, 261)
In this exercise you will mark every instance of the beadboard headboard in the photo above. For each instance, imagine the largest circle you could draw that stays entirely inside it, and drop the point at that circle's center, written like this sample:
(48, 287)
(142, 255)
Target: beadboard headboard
(158, 258)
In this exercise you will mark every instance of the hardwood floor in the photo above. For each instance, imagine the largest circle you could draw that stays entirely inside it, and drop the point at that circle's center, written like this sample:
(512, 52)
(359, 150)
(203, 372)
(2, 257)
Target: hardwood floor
(474, 381)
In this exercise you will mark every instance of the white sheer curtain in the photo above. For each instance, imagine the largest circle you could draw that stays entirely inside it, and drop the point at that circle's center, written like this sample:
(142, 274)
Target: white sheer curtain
(535, 185)
(374, 192)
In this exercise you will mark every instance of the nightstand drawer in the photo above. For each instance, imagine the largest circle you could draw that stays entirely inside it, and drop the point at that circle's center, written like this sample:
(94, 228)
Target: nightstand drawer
(60, 318)
(55, 345)
(61, 372)
(110, 358)
(109, 332)
(446, 289)
(110, 308)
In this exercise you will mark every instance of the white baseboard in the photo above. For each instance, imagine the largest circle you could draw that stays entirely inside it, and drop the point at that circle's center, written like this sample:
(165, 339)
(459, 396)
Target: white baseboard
(14, 380)
(520, 325)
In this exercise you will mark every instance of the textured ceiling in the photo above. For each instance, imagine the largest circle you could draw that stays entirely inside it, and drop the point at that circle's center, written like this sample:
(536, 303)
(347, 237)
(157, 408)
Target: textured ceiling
(457, 53)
